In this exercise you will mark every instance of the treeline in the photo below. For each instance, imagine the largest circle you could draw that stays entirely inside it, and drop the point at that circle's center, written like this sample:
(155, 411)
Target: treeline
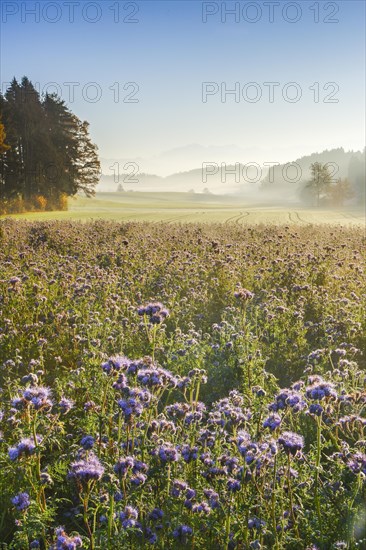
(330, 178)
(45, 151)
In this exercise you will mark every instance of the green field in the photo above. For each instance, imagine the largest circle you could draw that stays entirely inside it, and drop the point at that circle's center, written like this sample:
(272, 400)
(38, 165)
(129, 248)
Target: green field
(184, 207)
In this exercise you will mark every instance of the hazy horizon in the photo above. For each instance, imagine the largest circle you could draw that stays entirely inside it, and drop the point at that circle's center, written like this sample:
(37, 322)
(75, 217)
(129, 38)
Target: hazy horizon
(170, 85)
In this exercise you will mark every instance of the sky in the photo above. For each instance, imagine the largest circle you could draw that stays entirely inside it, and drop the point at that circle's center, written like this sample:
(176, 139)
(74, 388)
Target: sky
(153, 78)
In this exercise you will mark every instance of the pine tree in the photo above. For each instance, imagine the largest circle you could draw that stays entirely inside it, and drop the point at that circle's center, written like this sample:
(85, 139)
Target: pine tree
(48, 151)
(87, 165)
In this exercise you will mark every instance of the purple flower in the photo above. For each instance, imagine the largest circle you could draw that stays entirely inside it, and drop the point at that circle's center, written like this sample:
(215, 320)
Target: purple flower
(316, 409)
(121, 382)
(201, 508)
(130, 407)
(213, 497)
(288, 398)
(39, 397)
(182, 532)
(118, 496)
(150, 536)
(64, 542)
(156, 514)
(156, 377)
(138, 479)
(243, 294)
(178, 487)
(357, 463)
(189, 453)
(124, 464)
(87, 442)
(319, 389)
(129, 517)
(21, 501)
(87, 469)
(156, 312)
(272, 422)
(291, 442)
(26, 447)
(190, 493)
(116, 363)
(233, 485)
(168, 453)
(256, 523)
(65, 405)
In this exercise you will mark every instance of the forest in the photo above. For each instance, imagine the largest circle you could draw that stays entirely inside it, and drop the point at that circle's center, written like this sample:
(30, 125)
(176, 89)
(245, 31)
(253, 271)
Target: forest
(45, 149)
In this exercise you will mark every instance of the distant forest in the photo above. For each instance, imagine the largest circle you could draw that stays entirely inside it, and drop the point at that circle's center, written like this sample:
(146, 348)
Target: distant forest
(342, 165)
(46, 153)
(292, 181)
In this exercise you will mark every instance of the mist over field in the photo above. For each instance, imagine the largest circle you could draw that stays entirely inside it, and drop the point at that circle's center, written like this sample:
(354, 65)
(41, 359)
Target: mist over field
(265, 182)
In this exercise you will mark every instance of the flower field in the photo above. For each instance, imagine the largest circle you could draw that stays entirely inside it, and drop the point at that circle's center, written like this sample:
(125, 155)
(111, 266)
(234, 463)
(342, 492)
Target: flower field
(182, 386)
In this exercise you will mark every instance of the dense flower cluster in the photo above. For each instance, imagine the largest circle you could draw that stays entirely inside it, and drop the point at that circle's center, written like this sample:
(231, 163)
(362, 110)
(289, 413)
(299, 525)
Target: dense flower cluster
(155, 311)
(88, 469)
(21, 501)
(65, 542)
(238, 423)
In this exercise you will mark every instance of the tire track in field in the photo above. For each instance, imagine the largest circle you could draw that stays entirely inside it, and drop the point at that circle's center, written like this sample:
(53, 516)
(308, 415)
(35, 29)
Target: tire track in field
(349, 216)
(294, 217)
(233, 219)
(172, 220)
(245, 215)
(301, 220)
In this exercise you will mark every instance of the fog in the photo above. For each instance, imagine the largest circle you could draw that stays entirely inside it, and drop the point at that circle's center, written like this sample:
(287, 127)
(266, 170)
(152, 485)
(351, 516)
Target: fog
(264, 182)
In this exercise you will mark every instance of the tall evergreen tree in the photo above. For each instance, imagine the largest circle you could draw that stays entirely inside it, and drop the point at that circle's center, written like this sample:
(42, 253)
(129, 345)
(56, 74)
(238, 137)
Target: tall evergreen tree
(50, 152)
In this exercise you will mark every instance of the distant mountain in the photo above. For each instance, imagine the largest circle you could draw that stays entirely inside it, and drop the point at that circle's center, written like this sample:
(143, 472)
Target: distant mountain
(189, 157)
(211, 177)
(282, 182)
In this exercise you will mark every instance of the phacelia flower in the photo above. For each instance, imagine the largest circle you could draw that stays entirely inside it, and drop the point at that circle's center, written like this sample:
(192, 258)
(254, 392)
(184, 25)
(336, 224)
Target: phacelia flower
(182, 533)
(86, 469)
(65, 405)
(319, 389)
(272, 422)
(291, 442)
(64, 542)
(26, 447)
(21, 501)
(87, 442)
(156, 312)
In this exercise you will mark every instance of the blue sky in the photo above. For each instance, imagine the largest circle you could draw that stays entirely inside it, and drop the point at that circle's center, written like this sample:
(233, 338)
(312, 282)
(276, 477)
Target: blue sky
(170, 52)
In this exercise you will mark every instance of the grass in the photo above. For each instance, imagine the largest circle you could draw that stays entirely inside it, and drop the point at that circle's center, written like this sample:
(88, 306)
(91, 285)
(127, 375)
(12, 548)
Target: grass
(184, 207)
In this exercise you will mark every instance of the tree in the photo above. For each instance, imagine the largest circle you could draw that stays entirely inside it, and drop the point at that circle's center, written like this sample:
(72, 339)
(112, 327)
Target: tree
(320, 181)
(340, 192)
(48, 153)
(3, 146)
(357, 174)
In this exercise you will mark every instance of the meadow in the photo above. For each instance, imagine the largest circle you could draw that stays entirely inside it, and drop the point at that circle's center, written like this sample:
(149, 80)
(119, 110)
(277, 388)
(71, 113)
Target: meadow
(177, 207)
(172, 385)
